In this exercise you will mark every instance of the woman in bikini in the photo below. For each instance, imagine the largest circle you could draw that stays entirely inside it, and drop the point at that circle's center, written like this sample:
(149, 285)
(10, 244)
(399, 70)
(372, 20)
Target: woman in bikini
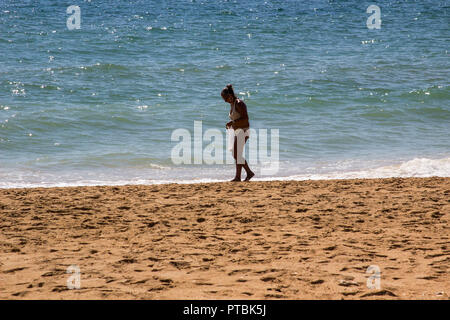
(239, 122)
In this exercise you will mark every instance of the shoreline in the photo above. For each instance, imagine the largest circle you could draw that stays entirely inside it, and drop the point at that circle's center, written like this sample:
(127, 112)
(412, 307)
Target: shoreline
(412, 168)
(193, 182)
(282, 239)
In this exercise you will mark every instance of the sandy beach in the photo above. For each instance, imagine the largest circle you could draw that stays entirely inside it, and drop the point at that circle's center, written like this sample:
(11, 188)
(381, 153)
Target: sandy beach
(257, 240)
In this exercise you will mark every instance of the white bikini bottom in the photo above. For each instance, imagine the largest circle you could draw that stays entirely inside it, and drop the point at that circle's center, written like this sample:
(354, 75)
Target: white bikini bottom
(239, 135)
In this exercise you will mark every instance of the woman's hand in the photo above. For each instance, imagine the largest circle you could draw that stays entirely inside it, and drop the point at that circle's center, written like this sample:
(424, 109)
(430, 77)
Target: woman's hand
(229, 124)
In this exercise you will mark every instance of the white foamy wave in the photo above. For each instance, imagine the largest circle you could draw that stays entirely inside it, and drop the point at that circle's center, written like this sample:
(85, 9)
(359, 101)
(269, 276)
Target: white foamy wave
(157, 166)
(90, 183)
(419, 167)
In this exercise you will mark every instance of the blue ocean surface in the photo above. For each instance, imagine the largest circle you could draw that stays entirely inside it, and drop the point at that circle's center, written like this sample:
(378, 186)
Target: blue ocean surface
(98, 105)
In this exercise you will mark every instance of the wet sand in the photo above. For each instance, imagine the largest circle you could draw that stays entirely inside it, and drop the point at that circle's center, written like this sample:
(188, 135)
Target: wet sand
(257, 240)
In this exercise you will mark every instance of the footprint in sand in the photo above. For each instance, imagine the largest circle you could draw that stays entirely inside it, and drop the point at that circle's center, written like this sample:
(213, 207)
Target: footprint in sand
(271, 295)
(347, 283)
(379, 293)
(318, 281)
(60, 289)
(268, 279)
(238, 271)
(351, 293)
(180, 264)
(14, 270)
(20, 294)
(127, 261)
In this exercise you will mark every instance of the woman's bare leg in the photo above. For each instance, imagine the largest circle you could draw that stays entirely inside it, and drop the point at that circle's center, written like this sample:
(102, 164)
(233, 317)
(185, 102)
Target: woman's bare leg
(237, 176)
(250, 173)
(238, 172)
(239, 167)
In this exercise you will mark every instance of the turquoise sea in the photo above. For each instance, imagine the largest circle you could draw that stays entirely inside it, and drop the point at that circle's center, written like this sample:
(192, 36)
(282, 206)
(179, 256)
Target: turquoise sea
(98, 105)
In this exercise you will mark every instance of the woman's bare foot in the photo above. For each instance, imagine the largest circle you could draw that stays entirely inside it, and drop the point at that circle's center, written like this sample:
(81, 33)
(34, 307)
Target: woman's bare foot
(235, 180)
(249, 176)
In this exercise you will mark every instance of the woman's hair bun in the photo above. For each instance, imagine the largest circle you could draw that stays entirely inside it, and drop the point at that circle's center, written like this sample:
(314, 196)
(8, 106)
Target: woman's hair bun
(228, 90)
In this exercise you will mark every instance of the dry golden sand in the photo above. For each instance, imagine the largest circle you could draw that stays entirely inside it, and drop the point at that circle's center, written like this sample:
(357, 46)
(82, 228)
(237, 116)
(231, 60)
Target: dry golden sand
(257, 240)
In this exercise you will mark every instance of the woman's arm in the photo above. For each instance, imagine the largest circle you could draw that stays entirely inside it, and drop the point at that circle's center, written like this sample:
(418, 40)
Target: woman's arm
(243, 121)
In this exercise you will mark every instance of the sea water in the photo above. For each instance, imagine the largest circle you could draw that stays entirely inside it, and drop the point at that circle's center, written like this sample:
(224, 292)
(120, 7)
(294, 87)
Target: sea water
(98, 105)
